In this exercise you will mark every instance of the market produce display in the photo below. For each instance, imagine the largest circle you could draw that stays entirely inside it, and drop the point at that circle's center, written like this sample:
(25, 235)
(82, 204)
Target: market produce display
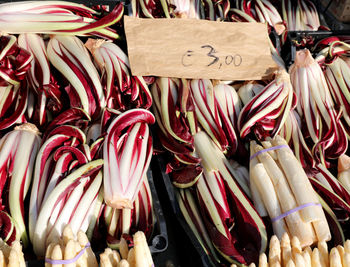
(73, 123)
(252, 163)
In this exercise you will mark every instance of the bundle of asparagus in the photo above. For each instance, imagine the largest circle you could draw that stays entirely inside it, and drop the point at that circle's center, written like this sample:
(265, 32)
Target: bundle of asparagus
(70, 251)
(11, 255)
(289, 253)
(139, 255)
(286, 192)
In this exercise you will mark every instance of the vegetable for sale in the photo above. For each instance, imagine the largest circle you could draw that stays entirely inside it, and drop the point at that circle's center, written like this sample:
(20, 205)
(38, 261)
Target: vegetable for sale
(69, 55)
(266, 113)
(127, 152)
(226, 223)
(71, 201)
(18, 150)
(57, 17)
(45, 92)
(316, 108)
(287, 193)
(122, 90)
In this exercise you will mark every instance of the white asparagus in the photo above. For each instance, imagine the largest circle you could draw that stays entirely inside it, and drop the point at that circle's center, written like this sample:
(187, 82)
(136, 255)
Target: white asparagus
(296, 226)
(13, 260)
(263, 260)
(302, 190)
(307, 258)
(267, 144)
(299, 260)
(286, 250)
(257, 200)
(315, 259)
(297, 180)
(83, 241)
(341, 252)
(290, 263)
(131, 257)
(346, 260)
(323, 250)
(16, 245)
(275, 250)
(69, 252)
(104, 260)
(82, 260)
(123, 263)
(48, 253)
(260, 178)
(347, 246)
(67, 234)
(6, 249)
(116, 256)
(108, 253)
(334, 258)
(56, 255)
(2, 259)
(143, 255)
(308, 250)
(296, 248)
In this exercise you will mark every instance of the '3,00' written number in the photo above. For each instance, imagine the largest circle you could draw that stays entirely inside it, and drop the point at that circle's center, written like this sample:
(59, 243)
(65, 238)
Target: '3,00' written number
(189, 56)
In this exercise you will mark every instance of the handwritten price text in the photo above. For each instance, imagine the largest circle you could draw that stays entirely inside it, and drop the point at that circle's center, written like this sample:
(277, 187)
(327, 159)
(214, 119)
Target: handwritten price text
(215, 59)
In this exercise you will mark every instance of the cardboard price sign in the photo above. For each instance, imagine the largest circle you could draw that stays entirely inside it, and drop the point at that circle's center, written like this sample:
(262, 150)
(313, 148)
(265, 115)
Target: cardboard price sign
(195, 49)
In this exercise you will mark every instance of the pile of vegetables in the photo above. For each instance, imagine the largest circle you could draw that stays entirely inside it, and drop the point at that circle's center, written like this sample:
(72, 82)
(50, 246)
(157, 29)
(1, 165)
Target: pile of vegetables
(250, 160)
(294, 126)
(75, 141)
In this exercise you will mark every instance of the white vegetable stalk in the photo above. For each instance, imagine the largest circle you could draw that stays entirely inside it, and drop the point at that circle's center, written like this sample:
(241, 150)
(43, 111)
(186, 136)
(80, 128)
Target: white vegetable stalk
(279, 171)
(18, 150)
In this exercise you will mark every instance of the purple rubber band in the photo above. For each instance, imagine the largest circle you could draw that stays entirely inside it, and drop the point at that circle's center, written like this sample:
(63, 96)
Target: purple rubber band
(267, 149)
(69, 260)
(294, 210)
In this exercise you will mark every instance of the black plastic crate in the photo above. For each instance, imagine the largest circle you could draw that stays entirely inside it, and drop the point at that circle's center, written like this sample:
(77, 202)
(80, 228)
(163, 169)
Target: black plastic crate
(309, 38)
